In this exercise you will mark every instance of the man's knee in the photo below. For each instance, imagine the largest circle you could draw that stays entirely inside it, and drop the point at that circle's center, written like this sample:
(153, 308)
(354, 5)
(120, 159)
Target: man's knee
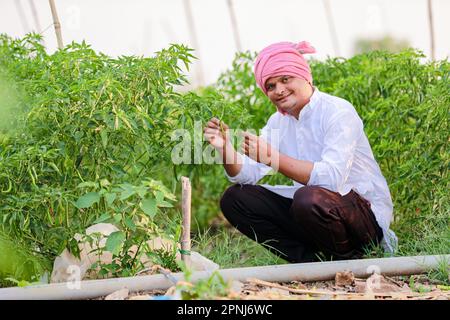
(304, 201)
(228, 198)
(239, 199)
(232, 196)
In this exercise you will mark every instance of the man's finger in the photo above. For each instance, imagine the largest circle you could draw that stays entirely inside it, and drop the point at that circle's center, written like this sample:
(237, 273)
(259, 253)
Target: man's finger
(208, 136)
(249, 135)
(215, 121)
(212, 131)
(211, 124)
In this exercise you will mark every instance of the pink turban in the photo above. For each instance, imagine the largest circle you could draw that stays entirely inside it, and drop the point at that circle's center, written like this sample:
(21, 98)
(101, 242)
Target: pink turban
(283, 58)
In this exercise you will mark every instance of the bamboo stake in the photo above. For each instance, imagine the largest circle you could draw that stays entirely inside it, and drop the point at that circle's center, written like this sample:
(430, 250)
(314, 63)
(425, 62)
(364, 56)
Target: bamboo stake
(237, 39)
(193, 33)
(186, 209)
(56, 24)
(332, 27)
(431, 24)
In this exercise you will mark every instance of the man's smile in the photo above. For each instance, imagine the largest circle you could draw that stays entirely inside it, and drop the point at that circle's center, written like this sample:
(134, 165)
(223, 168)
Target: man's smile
(282, 99)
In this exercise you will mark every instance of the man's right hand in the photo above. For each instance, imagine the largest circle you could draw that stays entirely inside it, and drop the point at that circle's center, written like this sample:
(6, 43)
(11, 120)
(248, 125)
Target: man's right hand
(217, 134)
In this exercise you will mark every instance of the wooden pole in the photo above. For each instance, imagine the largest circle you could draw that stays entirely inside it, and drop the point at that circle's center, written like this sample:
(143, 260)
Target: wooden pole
(193, 33)
(56, 24)
(237, 39)
(332, 28)
(186, 228)
(430, 21)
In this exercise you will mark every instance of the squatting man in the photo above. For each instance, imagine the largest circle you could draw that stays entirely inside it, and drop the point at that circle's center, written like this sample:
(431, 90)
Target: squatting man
(339, 202)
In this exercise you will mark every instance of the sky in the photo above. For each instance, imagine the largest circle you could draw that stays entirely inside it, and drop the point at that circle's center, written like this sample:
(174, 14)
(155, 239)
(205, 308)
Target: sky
(142, 27)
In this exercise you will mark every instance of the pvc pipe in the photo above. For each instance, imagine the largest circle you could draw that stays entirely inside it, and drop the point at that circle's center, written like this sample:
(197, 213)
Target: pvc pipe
(315, 271)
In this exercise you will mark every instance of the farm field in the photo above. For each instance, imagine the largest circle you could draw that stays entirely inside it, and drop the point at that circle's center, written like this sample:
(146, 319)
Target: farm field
(86, 139)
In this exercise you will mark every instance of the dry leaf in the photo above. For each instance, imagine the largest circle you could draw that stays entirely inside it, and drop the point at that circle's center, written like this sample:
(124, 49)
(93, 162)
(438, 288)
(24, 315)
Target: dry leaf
(345, 278)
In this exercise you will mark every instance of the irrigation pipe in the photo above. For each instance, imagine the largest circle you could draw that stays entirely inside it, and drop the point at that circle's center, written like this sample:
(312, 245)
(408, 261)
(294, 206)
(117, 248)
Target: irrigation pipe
(315, 271)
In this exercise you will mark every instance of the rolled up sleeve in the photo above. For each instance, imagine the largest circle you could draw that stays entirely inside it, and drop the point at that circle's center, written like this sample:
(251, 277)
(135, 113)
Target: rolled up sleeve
(251, 172)
(341, 138)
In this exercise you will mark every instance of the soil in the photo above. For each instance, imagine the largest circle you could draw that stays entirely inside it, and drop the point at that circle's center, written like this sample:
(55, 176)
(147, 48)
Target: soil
(344, 287)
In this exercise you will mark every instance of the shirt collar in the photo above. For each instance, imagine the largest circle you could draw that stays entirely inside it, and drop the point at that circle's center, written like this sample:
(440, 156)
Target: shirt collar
(306, 111)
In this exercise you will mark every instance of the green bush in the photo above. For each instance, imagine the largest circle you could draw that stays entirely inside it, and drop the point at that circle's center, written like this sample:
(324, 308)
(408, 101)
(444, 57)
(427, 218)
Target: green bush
(91, 142)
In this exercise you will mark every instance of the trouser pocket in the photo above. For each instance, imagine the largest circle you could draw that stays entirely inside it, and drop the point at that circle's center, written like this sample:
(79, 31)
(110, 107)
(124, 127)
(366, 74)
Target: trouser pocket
(360, 222)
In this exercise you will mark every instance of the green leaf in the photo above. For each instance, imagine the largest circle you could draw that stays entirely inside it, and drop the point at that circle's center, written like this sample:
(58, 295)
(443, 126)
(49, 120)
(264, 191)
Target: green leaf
(165, 204)
(148, 205)
(159, 196)
(115, 242)
(104, 136)
(102, 218)
(130, 224)
(110, 197)
(104, 183)
(142, 191)
(87, 200)
(128, 191)
(87, 184)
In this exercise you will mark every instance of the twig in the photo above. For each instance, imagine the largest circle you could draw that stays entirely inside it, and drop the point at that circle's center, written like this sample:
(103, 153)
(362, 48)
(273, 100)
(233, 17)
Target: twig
(337, 293)
(299, 291)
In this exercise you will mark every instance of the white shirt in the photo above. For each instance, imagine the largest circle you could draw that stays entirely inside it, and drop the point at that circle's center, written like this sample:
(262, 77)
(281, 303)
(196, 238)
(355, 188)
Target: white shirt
(330, 134)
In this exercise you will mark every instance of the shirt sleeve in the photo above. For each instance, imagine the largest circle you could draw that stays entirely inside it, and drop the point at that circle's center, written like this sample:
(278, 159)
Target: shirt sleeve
(341, 137)
(252, 171)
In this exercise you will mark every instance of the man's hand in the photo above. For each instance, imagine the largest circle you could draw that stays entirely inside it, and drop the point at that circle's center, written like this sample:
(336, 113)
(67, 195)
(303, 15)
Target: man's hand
(216, 133)
(258, 149)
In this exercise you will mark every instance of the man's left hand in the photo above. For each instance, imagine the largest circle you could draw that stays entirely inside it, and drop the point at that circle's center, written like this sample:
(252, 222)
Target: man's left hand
(257, 149)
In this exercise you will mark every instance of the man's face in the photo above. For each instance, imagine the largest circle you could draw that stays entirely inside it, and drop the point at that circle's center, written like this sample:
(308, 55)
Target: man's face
(289, 94)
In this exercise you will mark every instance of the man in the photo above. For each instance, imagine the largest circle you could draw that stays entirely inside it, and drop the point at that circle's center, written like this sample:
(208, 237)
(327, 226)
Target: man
(339, 202)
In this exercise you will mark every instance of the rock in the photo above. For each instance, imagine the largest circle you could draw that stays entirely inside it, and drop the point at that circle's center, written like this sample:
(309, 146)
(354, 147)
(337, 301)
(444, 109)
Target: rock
(121, 294)
(345, 278)
(67, 267)
(376, 283)
(360, 286)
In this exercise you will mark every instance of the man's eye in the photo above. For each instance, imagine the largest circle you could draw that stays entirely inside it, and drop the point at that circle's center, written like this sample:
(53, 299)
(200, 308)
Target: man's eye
(270, 87)
(285, 79)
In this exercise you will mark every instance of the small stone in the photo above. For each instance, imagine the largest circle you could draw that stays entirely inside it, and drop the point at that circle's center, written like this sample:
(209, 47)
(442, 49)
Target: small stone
(118, 295)
(376, 283)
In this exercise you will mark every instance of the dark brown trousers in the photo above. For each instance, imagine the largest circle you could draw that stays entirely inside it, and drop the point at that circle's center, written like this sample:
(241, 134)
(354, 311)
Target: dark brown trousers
(316, 221)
